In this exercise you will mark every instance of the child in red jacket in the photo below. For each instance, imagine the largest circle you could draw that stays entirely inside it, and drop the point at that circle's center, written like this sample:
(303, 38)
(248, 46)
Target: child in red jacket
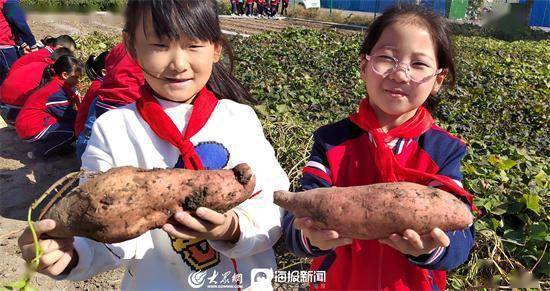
(13, 30)
(85, 117)
(51, 44)
(121, 83)
(21, 83)
(47, 118)
(405, 57)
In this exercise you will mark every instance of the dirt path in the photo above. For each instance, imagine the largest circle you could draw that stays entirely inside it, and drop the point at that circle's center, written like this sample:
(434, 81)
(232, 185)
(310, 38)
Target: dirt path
(75, 24)
(22, 180)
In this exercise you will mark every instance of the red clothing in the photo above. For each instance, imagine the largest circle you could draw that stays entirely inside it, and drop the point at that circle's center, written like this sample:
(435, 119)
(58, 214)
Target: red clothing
(84, 107)
(6, 36)
(21, 83)
(37, 56)
(423, 154)
(249, 1)
(36, 116)
(124, 77)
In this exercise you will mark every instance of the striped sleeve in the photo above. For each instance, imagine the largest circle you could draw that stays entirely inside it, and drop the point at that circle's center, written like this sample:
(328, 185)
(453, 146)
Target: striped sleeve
(59, 106)
(461, 241)
(316, 174)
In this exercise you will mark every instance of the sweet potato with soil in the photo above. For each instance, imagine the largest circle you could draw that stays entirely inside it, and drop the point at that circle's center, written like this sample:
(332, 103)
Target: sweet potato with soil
(125, 202)
(378, 210)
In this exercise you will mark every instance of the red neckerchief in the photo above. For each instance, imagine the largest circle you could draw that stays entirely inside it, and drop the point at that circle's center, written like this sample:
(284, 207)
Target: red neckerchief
(389, 170)
(161, 124)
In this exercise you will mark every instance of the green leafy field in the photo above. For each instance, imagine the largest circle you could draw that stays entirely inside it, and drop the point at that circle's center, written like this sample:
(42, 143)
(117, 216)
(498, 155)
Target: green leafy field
(306, 78)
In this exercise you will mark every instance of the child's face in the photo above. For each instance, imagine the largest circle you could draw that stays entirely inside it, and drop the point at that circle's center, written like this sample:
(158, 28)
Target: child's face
(180, 69)
(396, 96)
(71, 79)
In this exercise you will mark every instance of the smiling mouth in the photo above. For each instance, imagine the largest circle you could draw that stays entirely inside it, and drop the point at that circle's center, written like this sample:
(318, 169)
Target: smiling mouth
(176, 80)
(396, 93)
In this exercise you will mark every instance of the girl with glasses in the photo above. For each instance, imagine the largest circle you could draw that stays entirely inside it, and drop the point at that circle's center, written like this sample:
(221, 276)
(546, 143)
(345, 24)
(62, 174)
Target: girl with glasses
(405, 58)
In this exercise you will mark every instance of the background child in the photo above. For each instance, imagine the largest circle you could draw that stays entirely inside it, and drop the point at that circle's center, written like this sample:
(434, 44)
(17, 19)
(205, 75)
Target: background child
(51, 44)
(274, 7)
(233, 7)
(85, 117)
(249, 7)
(405, 57)
(260, 6)
(284, 7)
(47, 118)
(22, 82)
(240, 6)
(121, 84)
(13, 26)
(180, 122)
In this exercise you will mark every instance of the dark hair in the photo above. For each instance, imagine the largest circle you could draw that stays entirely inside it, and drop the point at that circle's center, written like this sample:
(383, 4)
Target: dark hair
(62, 51)
(65, 63)
(420, 15)
(48, 40)
(195, 19)
(94, 65)
(65, 41)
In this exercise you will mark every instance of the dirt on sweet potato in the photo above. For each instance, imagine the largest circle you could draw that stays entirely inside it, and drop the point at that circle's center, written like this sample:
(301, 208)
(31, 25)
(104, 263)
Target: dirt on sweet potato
(125, 202)
(378, 210)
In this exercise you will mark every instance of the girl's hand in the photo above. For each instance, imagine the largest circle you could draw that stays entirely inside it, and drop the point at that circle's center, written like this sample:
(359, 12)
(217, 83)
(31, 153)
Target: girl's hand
(206, 224)
(58, 254)
(411, 243)
(322, 239)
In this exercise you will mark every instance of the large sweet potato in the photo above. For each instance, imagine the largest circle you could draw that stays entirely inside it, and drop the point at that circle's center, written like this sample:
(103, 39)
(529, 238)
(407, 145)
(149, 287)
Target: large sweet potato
(125, 202)
(378, 210)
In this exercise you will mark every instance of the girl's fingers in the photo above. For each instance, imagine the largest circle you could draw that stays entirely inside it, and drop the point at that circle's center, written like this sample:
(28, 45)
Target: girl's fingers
(303, 222)
(339, 242)
(48, 259)
(211, 216)
(41, 227)
(320, 235)
(388, 242)
(193, 223)
(59, 266)
(440, 237)
(401, 244)
(180, 232)
(48, 245)
(414, 239)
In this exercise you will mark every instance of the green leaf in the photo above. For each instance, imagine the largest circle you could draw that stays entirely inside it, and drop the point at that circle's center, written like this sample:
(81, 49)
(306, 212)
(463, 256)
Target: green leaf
(506, 164)
(532, 202)
(262, 109)
(17, 285)
(539, 231)
(494, 160)
(541, 179)
(282, 108)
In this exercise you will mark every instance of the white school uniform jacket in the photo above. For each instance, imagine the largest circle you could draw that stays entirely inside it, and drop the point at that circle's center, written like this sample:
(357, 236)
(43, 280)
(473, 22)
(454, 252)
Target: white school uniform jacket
(155, 261)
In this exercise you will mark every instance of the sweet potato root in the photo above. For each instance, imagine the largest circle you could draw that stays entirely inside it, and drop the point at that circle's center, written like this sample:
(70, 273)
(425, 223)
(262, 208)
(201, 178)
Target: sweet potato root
(125, 202)
(378, 210)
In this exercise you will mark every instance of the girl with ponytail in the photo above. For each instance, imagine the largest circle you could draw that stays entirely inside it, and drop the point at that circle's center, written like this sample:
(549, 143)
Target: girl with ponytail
(50, 45)
(189, 115)
(47, 117)
(86, 116)
(21, 83)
